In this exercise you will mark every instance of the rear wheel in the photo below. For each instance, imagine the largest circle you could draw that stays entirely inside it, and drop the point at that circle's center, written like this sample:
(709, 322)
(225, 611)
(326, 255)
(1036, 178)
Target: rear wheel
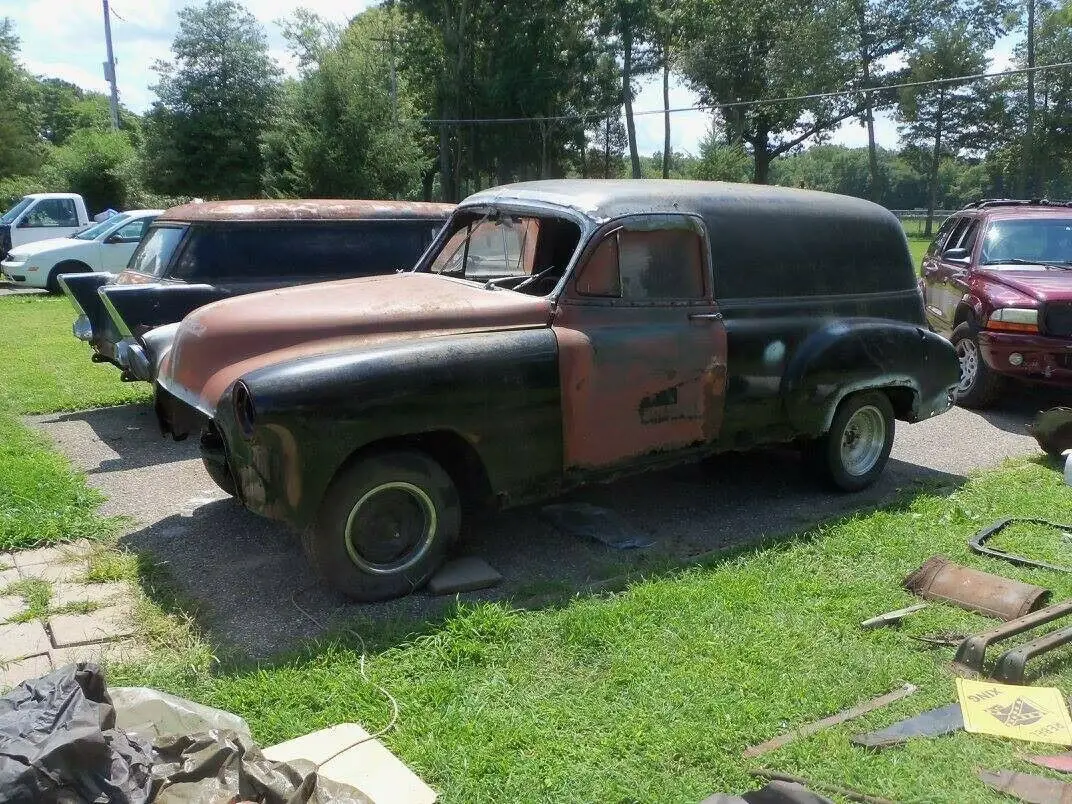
(384, 526)
(853, 454)
(979, 385)
(69, 267)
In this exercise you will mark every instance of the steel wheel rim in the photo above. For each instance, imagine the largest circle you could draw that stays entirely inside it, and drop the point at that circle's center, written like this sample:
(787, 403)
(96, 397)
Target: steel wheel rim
(390, 528)
(863, 440)
(968, 355)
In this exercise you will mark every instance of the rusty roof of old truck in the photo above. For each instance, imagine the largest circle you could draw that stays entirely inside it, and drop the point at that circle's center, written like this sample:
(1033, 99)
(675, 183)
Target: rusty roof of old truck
(604, 199)
(306, 209)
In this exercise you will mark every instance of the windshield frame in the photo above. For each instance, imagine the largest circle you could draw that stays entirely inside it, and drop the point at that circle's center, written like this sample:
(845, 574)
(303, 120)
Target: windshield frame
(21, 206)
(515, 208)
(1025, 262)
(102, 228)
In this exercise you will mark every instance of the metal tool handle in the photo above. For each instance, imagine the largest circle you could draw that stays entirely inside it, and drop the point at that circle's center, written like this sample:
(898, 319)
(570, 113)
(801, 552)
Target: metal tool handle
(705, 316)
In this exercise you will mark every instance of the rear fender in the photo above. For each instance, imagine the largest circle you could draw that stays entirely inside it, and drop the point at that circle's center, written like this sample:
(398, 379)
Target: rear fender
(135, 309)
(846, 357)
(81, 290)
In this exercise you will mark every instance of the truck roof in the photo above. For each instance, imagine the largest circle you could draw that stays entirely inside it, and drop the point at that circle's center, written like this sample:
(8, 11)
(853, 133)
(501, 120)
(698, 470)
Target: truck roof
(603, 199)
(37, 196)
(304, 209)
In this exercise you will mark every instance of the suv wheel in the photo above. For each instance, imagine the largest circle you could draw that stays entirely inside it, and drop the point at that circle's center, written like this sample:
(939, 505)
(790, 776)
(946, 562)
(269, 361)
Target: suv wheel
(979, 385)
(853, 454)
(384, 526)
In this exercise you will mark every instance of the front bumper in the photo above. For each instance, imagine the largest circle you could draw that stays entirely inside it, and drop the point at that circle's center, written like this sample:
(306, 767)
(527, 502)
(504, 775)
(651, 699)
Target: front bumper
(176, 416)
(1044, 359)
(18, 272)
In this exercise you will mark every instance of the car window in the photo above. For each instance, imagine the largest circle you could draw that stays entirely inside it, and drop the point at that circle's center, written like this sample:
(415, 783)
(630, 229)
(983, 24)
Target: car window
(132, 232)
(971, 236)
(651, 265)
(278, 249)
(57, 212)
(1039, 240)
(942, 235)
(15, 211)
(153, 254)
(957, 233)
(97, 229)
(497, 247)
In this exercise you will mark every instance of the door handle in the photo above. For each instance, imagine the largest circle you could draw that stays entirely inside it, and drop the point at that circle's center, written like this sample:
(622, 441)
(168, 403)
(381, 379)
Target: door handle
(705, 316)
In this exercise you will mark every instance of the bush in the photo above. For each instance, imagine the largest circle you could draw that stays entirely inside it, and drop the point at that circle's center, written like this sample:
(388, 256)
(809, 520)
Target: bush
(15, 187)
(100, 165)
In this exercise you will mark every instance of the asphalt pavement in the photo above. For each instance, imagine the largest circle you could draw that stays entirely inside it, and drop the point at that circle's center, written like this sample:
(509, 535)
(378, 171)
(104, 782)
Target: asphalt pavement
(247, 572)
(12, 289)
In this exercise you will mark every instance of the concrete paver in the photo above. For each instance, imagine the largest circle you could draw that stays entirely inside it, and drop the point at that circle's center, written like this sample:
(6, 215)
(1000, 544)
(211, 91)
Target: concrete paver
(113, 622)
(55, 573)
(14, 673)
(125, 650)
(9, 576)
(24, 559)
(64, 594)
(10, 606)
(19, 640)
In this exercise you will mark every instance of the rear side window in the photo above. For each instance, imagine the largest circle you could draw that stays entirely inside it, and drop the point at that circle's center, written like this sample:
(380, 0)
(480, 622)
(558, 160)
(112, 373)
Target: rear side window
(58, 212)
(774, 254)
(153, 254)
(302, 249)
(648, 265)
(942, 235)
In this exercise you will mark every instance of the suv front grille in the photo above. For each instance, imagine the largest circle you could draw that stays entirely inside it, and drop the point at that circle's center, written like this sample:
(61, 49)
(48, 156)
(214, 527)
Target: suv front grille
(1057, 319)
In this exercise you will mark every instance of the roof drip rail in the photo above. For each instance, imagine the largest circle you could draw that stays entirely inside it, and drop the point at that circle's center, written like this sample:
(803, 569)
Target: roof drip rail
(986, 203)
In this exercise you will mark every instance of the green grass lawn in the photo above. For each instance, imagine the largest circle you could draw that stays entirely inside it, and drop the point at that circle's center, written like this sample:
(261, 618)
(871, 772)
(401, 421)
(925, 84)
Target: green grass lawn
(648, 694)
(918, 247)
(42, 500)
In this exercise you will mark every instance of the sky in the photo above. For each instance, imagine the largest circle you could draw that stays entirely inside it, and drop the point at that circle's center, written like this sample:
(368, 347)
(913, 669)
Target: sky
(69, 44)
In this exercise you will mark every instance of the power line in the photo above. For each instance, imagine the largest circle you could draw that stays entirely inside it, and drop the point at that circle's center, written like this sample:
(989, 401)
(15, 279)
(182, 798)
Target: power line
(759, 102)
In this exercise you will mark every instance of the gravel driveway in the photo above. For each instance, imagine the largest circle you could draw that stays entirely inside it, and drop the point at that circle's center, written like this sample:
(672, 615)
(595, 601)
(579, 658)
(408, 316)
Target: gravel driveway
(247, 571)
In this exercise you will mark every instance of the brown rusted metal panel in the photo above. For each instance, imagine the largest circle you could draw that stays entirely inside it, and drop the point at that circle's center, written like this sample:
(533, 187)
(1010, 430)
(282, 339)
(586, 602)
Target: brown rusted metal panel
(993, 595)
(337, 209)
(1024, 786)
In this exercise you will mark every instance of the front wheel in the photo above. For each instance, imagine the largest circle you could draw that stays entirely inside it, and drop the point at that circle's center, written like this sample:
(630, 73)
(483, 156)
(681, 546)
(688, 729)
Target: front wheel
(853, 454)
(979, 385)
(384, 526)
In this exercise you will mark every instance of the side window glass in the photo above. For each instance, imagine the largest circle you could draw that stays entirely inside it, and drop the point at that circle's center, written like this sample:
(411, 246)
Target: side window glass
(971, 236)
(956, 233)
(58, 212)
(938, 244)
(132, 232)
(601, 275)
(661, 264)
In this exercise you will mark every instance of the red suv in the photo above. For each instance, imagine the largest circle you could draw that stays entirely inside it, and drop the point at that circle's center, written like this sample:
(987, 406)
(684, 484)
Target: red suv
(997, 281)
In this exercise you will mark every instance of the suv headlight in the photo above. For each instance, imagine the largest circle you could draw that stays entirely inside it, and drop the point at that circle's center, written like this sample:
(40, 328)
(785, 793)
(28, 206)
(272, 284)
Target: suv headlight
(1013, 319)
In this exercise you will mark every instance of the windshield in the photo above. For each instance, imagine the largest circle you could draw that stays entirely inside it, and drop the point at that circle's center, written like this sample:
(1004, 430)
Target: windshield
(97, 229)
(1038, 241)
(13, 213)
(153, 254)
(520, 252)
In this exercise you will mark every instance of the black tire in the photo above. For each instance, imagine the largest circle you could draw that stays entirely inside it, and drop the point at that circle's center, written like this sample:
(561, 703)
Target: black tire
(69, 267)
(832, 455)
(220, 475)
(985, 385)
(413, 491)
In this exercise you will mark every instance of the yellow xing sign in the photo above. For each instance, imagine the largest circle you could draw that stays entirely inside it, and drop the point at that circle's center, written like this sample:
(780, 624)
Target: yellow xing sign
(1038, 714)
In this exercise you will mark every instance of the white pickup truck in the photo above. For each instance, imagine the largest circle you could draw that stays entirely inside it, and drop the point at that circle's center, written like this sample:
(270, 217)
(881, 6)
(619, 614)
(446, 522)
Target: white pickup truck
(42, 216)
(104, 246)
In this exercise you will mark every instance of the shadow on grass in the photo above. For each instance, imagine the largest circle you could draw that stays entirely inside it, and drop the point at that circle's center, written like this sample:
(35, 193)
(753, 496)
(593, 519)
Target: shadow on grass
(257, 597)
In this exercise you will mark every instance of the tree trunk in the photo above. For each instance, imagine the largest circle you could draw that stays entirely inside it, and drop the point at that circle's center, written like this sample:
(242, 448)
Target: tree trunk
(444, 164)
(606, 151)
(666, 112)
(932, 195)
(869, 109)
(427, 180)
(627, 96)
(761, 156)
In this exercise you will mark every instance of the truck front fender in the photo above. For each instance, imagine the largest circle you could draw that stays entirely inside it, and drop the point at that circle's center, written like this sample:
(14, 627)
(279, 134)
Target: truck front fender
(917, 367)
(300, 421)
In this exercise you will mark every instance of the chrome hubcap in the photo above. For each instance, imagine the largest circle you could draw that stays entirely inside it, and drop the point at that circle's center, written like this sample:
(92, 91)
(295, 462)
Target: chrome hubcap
(862, 440)
(390, 528)
(968, 355)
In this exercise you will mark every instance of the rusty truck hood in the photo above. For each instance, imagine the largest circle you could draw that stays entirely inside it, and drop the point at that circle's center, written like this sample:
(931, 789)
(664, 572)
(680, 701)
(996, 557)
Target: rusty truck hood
(218, 343)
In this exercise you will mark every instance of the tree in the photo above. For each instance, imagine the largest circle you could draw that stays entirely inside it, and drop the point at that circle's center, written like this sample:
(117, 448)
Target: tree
(947, 117)
(215, 100)
(345, 129)
(769, 49)
(604, 159)
(21, 152)
(101, 165)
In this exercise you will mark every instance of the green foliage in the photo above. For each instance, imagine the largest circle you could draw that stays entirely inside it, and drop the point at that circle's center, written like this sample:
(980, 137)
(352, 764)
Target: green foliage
(202, 136)
(720, 162)
(100, 165)
(21, 153)
(339, 131)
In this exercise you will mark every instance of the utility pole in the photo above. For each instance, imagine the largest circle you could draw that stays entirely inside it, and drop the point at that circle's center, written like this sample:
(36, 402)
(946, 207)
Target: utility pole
(1029, 133)
(109, 66)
